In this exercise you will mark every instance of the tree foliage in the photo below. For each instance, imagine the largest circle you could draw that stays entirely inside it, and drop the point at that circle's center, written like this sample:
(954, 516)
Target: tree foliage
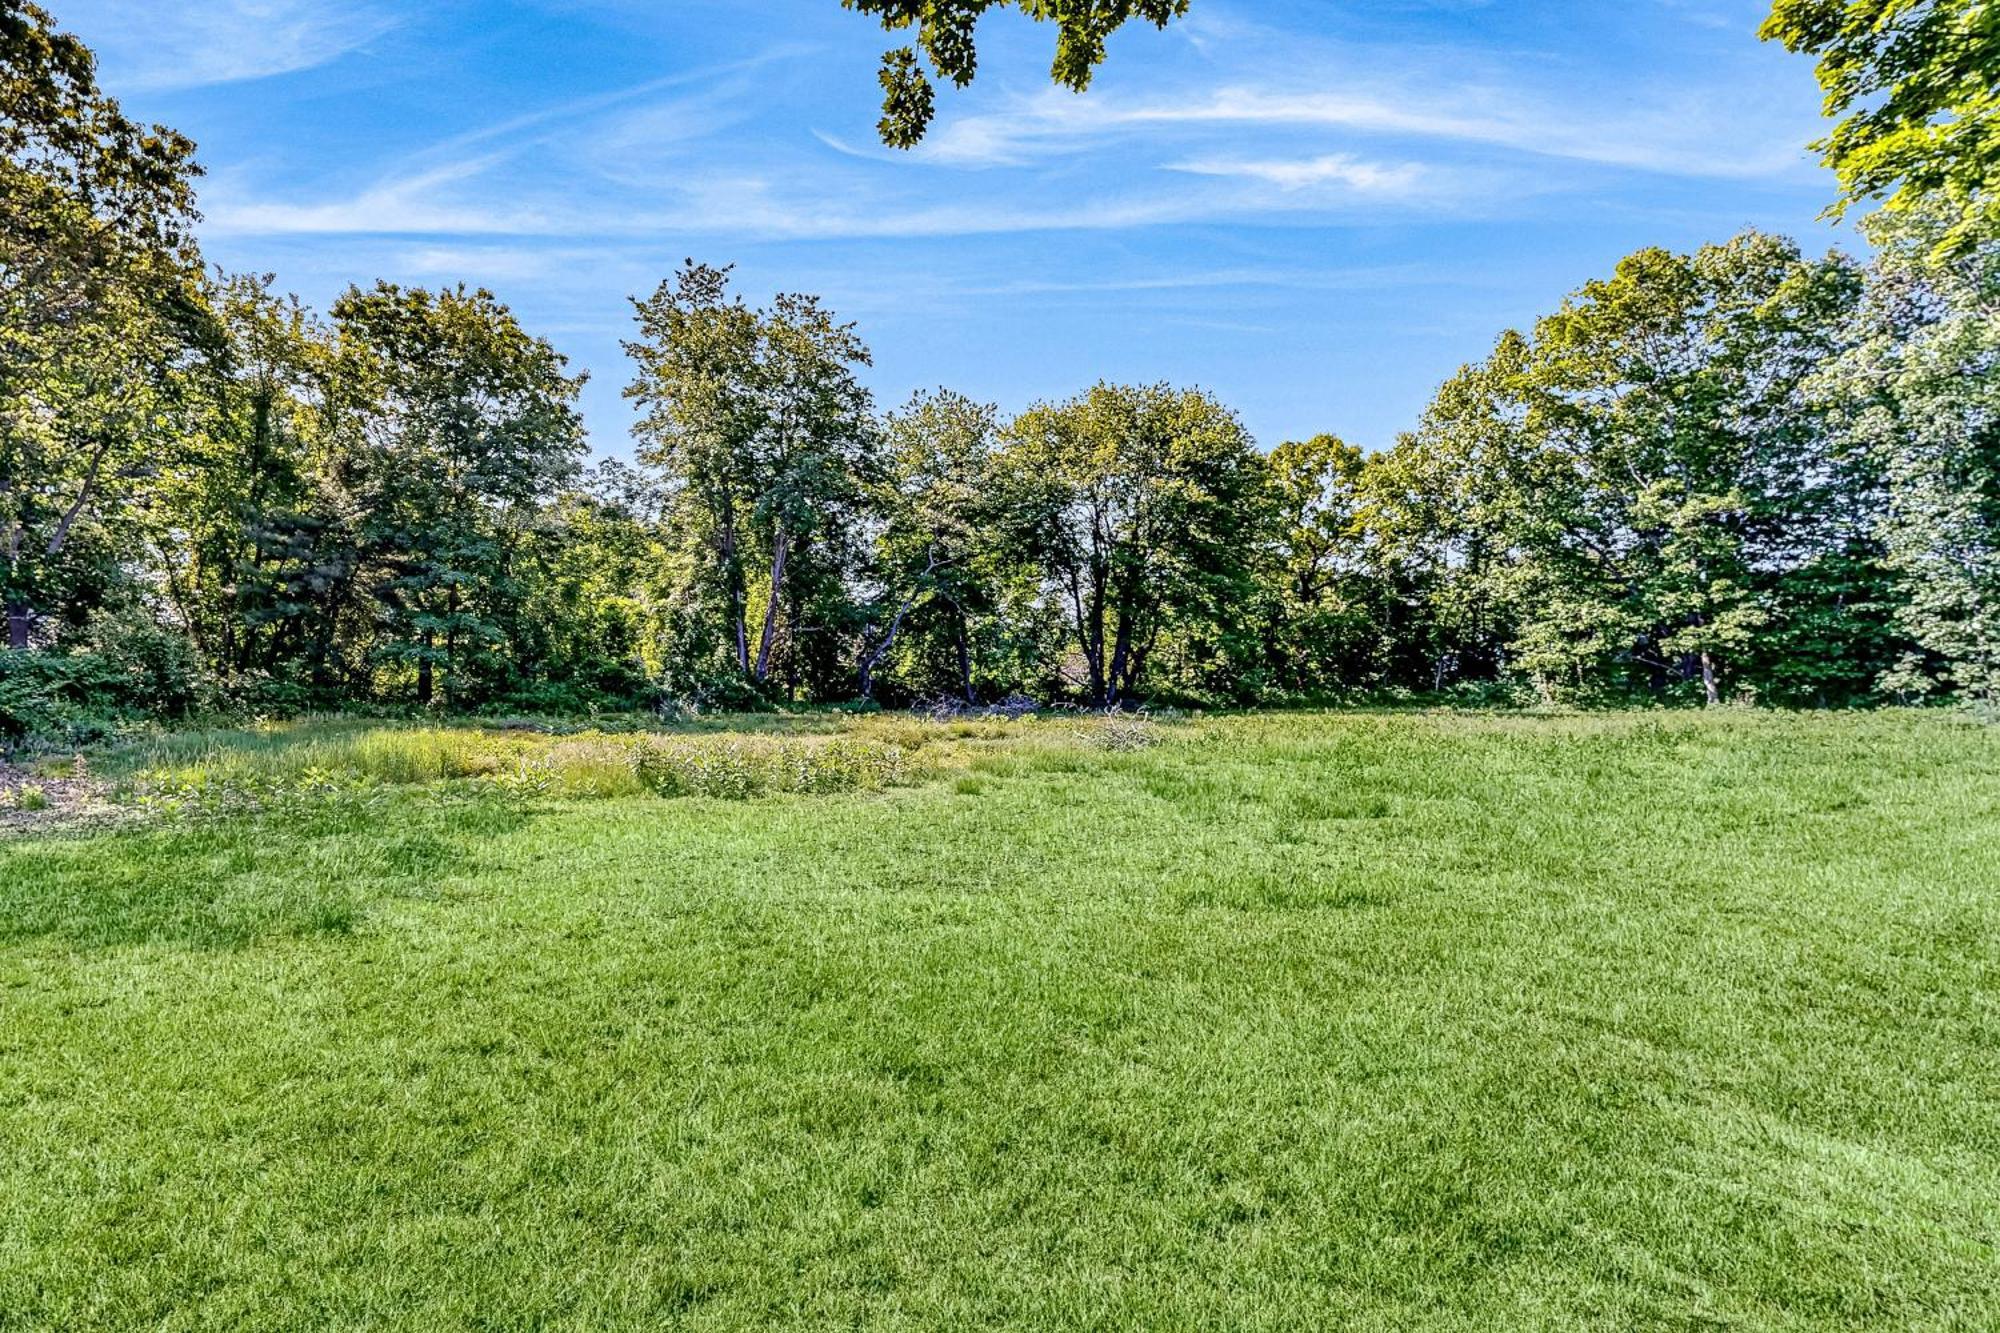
(1919, 396)
(1915, 87)
(101, 310)
(1140, 506)
(946, 41)
(1633, 497)
(763, 439)
(1741, 473)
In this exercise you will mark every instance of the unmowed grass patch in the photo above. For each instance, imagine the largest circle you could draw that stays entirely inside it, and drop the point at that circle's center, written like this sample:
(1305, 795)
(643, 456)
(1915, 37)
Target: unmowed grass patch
(276, 765)
(739, 770)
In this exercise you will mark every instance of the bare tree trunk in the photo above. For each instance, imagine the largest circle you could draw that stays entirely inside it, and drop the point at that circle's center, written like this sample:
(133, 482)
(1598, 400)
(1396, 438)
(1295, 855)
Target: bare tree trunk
(1121, 657)
(873, 657)
(795, 619)
(326, 627)
(739, 596)
(1708, 682)
(964, 653)
(780, 548)
(1093, 644)
(60, 537)
(451, 649)
(425, 680)
(19, 620)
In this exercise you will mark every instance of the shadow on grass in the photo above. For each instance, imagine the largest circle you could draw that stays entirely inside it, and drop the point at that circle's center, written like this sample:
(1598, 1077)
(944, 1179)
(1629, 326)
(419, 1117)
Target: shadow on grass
(227, 883)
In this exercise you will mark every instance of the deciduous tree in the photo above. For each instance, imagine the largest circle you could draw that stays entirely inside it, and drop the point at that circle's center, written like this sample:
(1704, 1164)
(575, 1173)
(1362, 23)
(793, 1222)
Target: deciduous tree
(1915, 85)
(763, 437)
(460, 425)
(1142, 506)
(101, 311)
(1919, 394)
(945, 39)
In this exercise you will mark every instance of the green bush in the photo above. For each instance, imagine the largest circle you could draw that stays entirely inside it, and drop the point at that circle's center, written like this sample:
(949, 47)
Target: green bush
(64, 698)
(132, 670)
(159, 671)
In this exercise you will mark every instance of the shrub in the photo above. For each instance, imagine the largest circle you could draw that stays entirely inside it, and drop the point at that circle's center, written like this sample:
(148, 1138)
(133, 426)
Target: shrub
(67, 698)
(134, 670)
(158, 671)
(315, 794)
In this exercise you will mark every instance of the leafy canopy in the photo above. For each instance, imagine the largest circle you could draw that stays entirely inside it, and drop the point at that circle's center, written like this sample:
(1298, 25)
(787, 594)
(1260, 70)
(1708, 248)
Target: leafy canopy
(1916, 87)
(100, 307)
(945, 31)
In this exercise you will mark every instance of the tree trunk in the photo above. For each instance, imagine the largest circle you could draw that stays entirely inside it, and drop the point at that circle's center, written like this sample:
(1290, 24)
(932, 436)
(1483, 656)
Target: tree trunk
(19, 620)
(964, 653)
(425, 681)
(872, 658)
(795, 615)
(1121, 660)
(451, 649)
(739, 595)
(780, 547)
(1708, 682)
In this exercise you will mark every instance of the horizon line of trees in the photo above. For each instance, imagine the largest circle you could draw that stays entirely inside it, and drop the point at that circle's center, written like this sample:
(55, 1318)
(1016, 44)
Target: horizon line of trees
(1742, 473)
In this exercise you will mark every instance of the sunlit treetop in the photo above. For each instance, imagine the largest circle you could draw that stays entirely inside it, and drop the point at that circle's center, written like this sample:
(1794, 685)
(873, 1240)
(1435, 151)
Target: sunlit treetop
(61, 137)
(945, 39)
(1915, 88)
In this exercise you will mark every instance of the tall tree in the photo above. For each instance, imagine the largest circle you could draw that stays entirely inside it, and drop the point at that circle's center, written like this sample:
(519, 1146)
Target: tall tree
(945, 37)
(231, 507)
(1321, 603)
(1645, 487)
(461, 424)
(1920, 395)
(1915, 85)
(1143, 506)
(935, 562)
(1439, 508)
(814, 454)
(698, 387)
(1683, 377)
(100, 302)
(763, 438)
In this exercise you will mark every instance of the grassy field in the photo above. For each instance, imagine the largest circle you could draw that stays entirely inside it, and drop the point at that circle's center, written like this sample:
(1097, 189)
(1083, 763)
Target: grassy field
(1658, 1021)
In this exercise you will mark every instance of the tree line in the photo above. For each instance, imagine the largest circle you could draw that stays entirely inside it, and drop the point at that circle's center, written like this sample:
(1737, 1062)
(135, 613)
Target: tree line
(1745, 473)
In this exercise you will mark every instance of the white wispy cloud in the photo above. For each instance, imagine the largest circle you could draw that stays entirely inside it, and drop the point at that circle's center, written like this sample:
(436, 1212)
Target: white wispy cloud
(671, 157)
(402, 205)
(744, 206)
(1682, 135)
(481, 263)
(1341, 169)
(151, 45)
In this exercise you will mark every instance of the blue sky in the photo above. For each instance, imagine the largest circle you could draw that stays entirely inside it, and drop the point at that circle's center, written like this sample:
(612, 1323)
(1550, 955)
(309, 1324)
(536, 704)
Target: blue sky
(1317, 209)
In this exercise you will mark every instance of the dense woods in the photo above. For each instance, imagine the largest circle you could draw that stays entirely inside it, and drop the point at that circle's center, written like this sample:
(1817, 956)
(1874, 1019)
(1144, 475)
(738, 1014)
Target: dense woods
(1743, 474)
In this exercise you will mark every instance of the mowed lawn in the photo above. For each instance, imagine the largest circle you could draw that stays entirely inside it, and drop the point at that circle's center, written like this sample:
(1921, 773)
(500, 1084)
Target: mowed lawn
(1662, 1021)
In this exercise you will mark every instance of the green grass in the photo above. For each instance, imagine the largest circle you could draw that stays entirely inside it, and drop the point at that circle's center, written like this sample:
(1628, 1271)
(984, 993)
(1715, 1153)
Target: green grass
(1397, 1022)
